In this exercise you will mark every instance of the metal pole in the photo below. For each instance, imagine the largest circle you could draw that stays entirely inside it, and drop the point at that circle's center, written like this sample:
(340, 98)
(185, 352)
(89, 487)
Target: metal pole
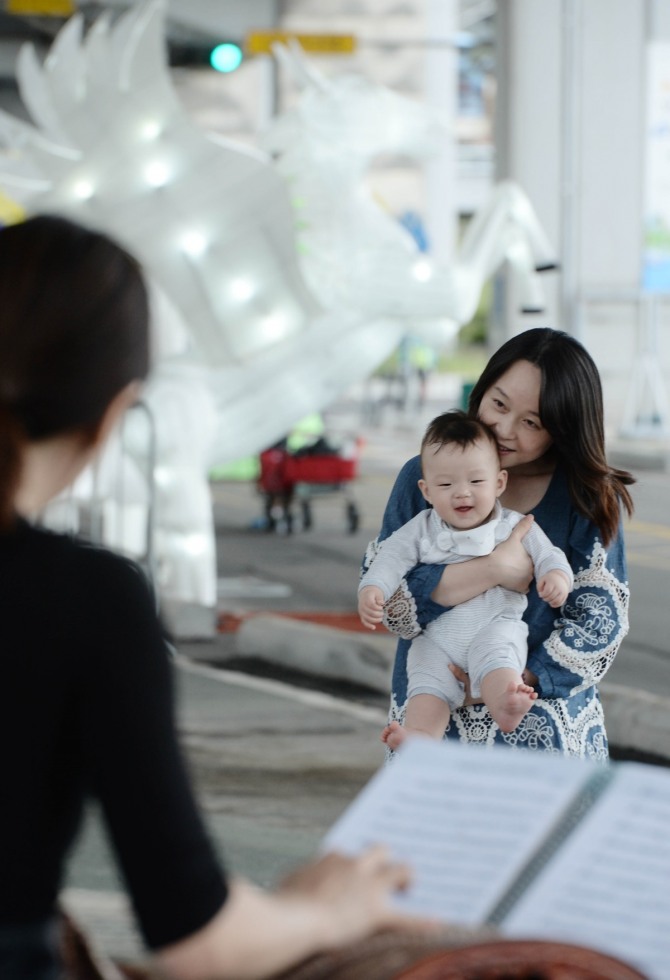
(570, 86)
(497, 333)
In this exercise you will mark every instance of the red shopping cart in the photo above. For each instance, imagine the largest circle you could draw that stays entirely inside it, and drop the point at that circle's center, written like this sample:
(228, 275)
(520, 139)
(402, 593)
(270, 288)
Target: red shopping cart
(300, 477)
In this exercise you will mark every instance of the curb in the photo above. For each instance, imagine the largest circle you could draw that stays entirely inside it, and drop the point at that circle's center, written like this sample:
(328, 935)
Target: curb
(639, 454)
(322, 651)
(637, 721)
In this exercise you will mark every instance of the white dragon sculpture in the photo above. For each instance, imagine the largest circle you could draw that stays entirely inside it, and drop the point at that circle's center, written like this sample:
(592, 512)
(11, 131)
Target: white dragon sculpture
(256, 324)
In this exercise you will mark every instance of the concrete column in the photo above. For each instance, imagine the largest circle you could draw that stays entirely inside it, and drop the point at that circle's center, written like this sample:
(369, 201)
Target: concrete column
(528, 133)
(441, 79)
(571, 131)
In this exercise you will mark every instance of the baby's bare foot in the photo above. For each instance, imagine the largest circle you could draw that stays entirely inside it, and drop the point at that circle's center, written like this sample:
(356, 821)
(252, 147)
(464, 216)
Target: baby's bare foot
(512, 705)
(393, 735)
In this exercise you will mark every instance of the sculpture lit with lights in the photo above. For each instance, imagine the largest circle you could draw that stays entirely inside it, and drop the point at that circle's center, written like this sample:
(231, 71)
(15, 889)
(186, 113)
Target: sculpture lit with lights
(252, 332)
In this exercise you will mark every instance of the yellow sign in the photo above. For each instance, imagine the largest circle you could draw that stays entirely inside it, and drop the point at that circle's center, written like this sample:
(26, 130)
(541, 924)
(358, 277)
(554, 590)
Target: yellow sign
(41, 8)
(10, 211)
(260, 42)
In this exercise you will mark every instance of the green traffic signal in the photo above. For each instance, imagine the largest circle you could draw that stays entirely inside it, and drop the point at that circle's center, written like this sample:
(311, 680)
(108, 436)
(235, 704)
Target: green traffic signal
(226, 57)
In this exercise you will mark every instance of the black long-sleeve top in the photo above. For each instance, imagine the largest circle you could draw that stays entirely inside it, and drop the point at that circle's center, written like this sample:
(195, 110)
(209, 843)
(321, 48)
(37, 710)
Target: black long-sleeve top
(87, 708)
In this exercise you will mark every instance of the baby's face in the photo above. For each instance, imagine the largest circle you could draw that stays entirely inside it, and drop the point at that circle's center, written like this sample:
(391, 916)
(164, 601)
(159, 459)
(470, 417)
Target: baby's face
(462, 484)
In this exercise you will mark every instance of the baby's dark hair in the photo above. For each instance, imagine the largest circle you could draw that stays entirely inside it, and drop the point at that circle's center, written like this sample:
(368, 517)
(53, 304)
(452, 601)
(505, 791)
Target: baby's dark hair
(456, 427)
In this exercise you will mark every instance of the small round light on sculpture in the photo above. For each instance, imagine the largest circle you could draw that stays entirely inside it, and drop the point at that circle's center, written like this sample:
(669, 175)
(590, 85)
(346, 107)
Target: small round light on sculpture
(163, 476)
(422, 270)
(194, 544)
(275, 325)
(151, 129)
(157, 173)
(83, 190)
(193, 243)
(241, 289)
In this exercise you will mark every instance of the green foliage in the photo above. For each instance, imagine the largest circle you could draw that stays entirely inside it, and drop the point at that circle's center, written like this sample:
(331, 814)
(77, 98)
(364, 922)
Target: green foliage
(476, 331)
(467, 361)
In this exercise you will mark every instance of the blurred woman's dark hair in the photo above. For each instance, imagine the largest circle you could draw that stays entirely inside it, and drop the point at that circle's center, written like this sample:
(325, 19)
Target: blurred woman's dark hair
(74, 331)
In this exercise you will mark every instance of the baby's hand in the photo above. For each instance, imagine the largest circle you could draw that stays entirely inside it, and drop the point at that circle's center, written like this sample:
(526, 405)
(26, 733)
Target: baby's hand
(553, 588)
(371, 606)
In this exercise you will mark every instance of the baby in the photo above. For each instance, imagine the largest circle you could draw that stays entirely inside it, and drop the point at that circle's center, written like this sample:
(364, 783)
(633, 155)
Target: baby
(485, 636)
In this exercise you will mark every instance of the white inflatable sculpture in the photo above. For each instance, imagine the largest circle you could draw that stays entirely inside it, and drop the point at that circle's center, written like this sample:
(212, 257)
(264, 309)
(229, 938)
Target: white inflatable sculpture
(252, 332)
(353, 253)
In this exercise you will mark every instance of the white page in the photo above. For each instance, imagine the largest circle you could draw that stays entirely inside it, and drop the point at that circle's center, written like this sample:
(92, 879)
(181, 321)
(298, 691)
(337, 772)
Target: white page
(464, 817)
(609, 886)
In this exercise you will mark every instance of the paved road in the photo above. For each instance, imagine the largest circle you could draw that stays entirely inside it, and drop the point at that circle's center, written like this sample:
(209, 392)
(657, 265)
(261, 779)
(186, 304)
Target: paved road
(273, 767)
(275, 764)
(645, 659)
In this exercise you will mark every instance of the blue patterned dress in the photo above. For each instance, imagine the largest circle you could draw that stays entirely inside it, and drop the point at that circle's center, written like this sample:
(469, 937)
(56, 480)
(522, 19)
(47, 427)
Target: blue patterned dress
(569, 650)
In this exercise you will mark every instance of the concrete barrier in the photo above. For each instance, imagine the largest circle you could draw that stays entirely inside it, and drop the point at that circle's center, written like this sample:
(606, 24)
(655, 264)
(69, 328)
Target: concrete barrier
(637, 722)
(340, 655)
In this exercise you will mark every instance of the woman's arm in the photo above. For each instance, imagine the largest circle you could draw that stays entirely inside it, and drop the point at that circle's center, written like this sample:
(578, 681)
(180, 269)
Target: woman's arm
(509, 565)
(328, 904)
(577, 652)
(594, 620)
(427, 591)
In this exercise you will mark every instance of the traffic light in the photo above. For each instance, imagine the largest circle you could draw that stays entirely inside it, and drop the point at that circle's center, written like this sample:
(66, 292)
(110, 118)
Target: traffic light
(225, 56)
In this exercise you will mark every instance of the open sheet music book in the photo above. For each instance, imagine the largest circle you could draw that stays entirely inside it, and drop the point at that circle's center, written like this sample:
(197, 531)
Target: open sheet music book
(541, 846)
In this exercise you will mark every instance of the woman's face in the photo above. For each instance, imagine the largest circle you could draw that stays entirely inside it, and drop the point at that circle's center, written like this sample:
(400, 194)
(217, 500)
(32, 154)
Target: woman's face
(511, 406)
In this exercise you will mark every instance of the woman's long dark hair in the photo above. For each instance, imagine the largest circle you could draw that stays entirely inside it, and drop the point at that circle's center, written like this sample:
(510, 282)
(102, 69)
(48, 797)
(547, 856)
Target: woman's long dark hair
(571, 410)
(74, 331)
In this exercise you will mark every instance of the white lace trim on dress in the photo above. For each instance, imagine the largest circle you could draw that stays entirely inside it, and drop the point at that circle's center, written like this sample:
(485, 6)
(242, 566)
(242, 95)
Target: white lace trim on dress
(400, 615)
(595, 622)
(556, 731)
